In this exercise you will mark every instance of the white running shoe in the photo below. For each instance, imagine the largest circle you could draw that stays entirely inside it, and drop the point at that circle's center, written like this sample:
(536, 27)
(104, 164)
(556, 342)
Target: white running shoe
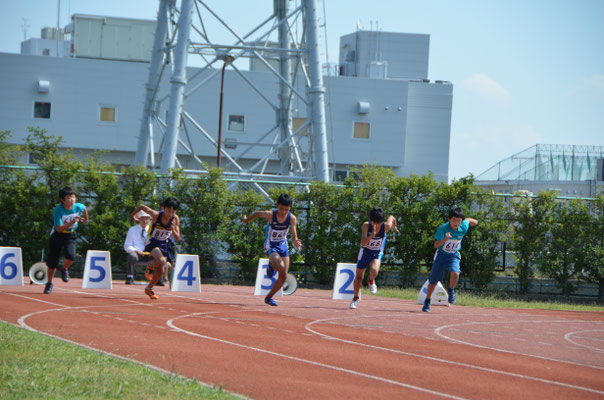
(373, 288)
(353, 304)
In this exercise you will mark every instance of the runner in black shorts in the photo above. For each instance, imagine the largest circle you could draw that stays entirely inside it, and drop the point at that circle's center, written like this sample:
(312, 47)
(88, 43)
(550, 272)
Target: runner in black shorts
(164, 225)
(65, 218)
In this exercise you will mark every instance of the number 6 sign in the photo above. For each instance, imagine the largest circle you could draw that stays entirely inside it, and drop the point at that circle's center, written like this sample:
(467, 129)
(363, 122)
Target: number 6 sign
(343, 287)
(11, 266)
(97, 271)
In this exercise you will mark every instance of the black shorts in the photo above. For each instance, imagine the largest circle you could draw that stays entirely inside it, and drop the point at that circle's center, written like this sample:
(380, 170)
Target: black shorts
(150, 248)
(58, 241)
(171, 254)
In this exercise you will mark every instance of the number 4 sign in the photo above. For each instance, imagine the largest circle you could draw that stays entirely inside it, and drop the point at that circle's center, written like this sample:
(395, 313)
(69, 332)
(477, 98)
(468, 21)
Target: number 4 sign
(343, 287)
(11, 266)
(186, 276)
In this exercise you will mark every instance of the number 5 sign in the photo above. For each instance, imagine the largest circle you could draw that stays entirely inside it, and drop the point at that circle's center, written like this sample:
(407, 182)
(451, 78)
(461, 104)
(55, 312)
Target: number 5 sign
(264, 284)
(11, 266)
(97, 271)
(343, 287)
(186, 276)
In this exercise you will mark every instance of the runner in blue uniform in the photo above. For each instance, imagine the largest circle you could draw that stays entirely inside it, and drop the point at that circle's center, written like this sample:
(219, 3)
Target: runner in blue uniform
(447, 241)
(373, 240)
(280, 221)
(165, 225)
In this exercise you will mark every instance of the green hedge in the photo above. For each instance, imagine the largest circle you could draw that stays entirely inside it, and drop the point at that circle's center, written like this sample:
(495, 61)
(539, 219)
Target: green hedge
(562, 239)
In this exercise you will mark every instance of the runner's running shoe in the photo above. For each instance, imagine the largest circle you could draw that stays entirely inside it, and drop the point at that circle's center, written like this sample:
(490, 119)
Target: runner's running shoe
(426, 307)
(270, 301)
(64, 274)
(149, 292)
(451, 296)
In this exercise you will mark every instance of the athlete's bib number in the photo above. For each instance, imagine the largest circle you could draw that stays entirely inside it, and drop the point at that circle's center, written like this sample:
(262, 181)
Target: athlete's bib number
(277, 236)
(375, 244)
(161, 234)
(452, 245)
(68, 218)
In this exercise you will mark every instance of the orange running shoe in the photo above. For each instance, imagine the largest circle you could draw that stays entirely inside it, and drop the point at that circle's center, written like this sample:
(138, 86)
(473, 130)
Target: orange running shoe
(151, 294)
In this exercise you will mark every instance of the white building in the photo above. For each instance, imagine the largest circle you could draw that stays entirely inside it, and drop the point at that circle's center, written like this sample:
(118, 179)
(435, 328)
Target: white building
(382, 109)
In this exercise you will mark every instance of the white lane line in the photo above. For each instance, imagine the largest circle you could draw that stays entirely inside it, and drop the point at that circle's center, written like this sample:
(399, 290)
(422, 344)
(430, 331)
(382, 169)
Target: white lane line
(170, 323)
(24, 325)
(438, 331)
(567, 337)
(32, 299)
(444, 360)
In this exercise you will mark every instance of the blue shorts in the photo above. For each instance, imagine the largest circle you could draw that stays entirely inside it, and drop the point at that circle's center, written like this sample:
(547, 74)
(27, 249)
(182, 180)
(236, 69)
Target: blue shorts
(277, 247)
(366, 256)
(441, 262)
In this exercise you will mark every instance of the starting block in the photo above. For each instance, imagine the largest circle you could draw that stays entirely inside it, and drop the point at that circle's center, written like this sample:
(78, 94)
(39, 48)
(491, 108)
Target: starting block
(440, 296)
(11, 266)
(264, 284)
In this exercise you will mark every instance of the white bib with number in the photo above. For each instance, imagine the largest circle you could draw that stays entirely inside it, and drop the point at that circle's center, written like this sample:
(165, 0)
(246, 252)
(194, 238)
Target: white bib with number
(68, 218)
(375, 244)
(277, 235)
(451, 245)
(161, 234)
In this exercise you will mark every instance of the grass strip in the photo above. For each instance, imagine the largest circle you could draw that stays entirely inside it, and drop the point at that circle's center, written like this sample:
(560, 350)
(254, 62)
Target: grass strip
(35, 366)
(491, 301)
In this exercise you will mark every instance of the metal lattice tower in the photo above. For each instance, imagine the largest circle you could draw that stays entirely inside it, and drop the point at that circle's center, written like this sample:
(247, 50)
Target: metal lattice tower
(297, 57)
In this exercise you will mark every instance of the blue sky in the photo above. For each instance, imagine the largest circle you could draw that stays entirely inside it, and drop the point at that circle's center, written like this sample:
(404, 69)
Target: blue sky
(524, 72)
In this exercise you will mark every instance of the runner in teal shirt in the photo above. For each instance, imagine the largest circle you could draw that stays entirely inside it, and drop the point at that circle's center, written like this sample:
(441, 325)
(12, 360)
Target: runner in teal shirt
(65, 218)
(447, 241)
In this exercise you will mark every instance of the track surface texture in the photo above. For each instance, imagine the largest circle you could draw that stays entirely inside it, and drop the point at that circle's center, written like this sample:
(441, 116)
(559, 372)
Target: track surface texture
(314, 347)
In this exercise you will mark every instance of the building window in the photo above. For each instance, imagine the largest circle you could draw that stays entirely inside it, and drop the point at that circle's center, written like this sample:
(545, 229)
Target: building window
(46, 52)
(236, 123)
(361, 130)
(297, 123)
(42, 109)
(107, 113)
(340, 176)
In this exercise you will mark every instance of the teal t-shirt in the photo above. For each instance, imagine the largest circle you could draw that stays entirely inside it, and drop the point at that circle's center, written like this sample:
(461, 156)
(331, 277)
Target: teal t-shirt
(453, 245)
(61, 216)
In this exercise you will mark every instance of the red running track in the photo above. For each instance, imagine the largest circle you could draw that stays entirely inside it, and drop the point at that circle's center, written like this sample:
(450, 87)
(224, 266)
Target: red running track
(312, 346)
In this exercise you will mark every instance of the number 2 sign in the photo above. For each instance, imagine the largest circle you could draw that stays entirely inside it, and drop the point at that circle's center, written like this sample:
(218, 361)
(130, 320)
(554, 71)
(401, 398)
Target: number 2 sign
(343, 286)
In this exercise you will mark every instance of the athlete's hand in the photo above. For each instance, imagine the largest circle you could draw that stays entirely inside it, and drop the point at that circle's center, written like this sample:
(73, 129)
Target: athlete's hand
(448, 235)
(245, 220)
(297, 244)
(394, 226)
